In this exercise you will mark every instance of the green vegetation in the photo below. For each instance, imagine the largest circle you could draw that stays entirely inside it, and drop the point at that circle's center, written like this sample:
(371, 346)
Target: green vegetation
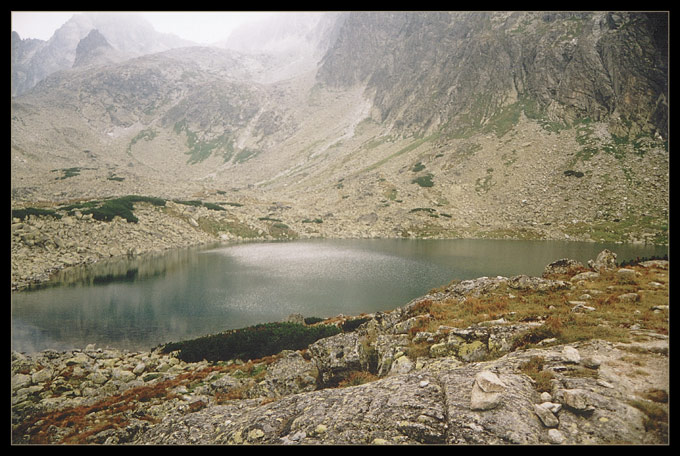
(414, 145)
(234, 227)
(69, 172)
(424, 181)
(35, 211)
(146, 135)
(251, 343)
(621, 230)
(316, 220)
(121, 207)
(351, 325)
(201, 150)
(197, 203)
(484, 184)
(418, 167)
(245, 155)
(213, 207)
(542, 378)
(280, 230)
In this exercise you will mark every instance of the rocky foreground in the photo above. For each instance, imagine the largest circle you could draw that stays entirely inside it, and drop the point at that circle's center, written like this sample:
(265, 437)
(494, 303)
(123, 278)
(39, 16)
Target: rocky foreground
(409, 376)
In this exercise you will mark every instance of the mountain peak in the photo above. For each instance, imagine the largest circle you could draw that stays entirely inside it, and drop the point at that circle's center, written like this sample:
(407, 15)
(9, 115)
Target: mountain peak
(94, 49)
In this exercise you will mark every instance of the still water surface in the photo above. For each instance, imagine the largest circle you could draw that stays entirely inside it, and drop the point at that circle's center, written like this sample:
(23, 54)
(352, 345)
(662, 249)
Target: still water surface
(139, 303)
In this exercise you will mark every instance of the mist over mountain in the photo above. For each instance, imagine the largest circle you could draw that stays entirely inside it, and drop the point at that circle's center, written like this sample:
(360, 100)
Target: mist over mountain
(444, 124)
(129, 34)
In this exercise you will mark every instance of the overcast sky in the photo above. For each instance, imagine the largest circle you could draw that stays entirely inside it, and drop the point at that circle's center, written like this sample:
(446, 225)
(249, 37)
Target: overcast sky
(200, 27)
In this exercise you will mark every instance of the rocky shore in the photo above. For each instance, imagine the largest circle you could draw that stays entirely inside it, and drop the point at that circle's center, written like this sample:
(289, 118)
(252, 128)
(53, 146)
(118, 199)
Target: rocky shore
(407, 376)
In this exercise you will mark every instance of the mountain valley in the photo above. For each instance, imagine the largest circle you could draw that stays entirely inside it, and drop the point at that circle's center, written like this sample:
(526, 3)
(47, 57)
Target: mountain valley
(519, 125)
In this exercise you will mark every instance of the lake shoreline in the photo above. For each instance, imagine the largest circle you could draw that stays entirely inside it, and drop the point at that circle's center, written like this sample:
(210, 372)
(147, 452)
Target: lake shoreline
(110, 396)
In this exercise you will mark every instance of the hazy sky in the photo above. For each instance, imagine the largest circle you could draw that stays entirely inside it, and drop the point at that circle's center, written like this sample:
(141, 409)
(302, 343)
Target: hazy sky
(200, 27)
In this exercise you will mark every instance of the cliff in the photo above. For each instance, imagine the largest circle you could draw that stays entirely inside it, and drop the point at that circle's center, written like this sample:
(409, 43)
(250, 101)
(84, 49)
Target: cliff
(459, 71)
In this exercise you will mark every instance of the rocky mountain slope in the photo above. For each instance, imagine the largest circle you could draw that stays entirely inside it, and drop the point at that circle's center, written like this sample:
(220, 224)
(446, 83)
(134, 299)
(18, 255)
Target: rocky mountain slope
(434, 124)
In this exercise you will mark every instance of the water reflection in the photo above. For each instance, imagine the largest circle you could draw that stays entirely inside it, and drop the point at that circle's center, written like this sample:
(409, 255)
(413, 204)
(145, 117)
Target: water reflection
(141, 302)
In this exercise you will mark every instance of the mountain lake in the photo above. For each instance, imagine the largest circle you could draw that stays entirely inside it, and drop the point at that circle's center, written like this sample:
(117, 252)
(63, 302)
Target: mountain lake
(141, 302)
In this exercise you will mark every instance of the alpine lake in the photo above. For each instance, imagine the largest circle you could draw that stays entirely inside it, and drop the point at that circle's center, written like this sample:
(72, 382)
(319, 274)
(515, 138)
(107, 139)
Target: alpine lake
(141, 302)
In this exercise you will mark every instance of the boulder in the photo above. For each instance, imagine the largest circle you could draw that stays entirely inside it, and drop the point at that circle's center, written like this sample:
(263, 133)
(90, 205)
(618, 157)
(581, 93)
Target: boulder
(337, 356)
(547, 417)
(486, 391)
(565, 266)
(606, 260)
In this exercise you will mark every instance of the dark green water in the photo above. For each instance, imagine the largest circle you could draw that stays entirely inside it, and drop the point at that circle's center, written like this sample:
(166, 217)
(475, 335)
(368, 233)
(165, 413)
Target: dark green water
(139, 303)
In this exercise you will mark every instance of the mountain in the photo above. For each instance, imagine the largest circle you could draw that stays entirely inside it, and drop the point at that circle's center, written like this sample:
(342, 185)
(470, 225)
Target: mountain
(129, 34)
(95, 50)
(296, 41)
(445, 124)
(457, 70)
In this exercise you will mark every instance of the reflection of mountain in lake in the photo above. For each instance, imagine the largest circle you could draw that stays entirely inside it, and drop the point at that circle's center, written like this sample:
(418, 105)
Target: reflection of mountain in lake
(193, 292)
(122, 269)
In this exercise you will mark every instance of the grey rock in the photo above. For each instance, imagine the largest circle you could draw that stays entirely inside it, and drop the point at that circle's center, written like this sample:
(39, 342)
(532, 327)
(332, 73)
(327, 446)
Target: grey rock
(556, 436)
(337, 356)
(486, 392)
(565, 266)
(606, 260)
(547, 417)
(571, 355)
(626, 274)
(629, 297)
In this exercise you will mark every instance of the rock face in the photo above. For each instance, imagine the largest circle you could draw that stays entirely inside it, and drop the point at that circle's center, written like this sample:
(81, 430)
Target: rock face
(439, 403)
(537, 56)
(95, 50)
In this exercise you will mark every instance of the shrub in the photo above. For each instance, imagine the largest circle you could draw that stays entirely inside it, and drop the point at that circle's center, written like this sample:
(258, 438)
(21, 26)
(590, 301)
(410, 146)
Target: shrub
(122, 207)
(111, 209)
(35, 211)
(351, 325)
(251, 343)
(312, 320)
(195, 203)
(534, 369)
(213, 207)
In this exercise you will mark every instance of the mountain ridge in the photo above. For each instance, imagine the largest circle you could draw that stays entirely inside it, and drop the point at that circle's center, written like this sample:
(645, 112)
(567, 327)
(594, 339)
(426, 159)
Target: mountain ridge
(529, 141)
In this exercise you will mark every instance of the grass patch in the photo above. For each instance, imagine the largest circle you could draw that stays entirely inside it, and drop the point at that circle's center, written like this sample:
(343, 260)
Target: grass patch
(251, 343)
(356, 378)
(424, 181)
(609, 321)
(656, 417)
(534, 369)
(280, 230)
(621, 230)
